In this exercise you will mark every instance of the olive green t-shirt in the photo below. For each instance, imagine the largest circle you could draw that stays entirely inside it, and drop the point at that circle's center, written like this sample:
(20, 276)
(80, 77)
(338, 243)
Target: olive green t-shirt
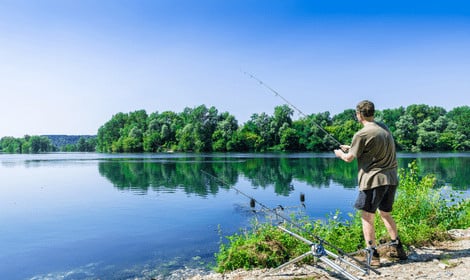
(374, 148)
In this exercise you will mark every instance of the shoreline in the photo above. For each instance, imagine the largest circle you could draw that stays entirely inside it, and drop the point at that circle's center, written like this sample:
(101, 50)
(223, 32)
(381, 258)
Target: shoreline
(443, 260)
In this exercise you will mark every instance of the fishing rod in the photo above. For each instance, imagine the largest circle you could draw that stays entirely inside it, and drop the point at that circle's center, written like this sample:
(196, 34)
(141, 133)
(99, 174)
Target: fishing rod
(290, 104)
(253, 202)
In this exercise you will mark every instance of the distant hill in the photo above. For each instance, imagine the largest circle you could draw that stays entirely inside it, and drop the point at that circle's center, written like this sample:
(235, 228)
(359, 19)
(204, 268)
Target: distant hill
(61, 140)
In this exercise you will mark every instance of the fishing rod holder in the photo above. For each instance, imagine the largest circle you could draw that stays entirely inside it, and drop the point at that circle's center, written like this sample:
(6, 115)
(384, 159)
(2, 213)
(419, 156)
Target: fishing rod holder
(319, 253)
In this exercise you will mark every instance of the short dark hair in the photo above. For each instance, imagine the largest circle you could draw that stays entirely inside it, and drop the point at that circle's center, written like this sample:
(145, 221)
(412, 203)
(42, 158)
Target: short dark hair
(366, 108)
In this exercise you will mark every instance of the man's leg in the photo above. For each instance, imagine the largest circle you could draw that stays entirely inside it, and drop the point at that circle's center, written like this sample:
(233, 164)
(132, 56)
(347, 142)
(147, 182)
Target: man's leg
(368, 228)
(390, 224)
(396, 250)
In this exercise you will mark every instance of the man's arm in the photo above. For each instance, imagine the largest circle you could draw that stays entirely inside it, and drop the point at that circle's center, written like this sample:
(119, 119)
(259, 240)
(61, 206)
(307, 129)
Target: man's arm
(347, 157)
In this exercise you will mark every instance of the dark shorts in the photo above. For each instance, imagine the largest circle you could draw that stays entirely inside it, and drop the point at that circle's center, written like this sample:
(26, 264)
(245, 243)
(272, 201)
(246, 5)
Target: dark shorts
(380, 197)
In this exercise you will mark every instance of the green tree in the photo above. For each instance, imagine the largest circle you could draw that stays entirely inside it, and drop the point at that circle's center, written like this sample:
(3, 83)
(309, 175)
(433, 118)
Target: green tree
(69, 148)
(133, 142)
(10, 145)
(344, 126)
(152, 141)
(427, 136)
(259, 130)
(460, 116)
(186, 138)
(415, 130)
(311, 136)
(131, 135)
(223, 136)
(434, 136)
(390, 117)
(199, 125)
(109, 133)
(161, 131)
(290, 140)
(420, 112)
(82, 145)
(245, 141)
(37, 144)
(281, 120)
(346, 115)
(406, 133)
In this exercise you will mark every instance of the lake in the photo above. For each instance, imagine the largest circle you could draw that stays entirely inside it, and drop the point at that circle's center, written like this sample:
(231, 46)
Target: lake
(136, 216)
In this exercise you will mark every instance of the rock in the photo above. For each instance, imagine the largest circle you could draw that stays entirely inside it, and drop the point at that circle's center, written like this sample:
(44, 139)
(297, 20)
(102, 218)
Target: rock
(443, 265)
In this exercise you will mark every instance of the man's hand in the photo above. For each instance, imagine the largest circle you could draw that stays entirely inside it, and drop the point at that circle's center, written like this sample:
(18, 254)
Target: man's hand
(345, 148)
(347, 157)
(339, 153)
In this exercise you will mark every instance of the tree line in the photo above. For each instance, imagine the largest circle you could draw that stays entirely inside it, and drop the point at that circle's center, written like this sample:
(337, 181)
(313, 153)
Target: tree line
(45, 144)
(415, 128)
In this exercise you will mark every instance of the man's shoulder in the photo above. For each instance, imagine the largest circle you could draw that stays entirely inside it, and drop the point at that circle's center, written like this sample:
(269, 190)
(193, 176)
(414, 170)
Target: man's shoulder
(382, 125)
(373, 126)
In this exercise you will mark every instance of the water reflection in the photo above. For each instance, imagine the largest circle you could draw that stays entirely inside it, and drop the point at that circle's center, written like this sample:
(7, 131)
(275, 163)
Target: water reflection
(450, 169)
(164, 175)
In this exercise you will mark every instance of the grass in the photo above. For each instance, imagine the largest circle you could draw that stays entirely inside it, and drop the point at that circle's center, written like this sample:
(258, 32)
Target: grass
(423, 214)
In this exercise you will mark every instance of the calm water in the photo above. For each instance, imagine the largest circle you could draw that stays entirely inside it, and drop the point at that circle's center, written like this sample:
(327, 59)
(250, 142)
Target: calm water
(88, 216)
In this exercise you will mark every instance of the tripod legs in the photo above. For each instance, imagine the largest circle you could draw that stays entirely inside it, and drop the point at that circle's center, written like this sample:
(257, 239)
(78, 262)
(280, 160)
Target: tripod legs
(319, 253)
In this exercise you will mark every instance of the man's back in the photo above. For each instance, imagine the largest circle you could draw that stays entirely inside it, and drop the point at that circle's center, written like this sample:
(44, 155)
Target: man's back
(374, 148)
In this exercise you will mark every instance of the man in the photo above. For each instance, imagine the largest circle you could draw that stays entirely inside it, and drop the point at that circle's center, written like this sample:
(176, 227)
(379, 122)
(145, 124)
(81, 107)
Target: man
(374, 148)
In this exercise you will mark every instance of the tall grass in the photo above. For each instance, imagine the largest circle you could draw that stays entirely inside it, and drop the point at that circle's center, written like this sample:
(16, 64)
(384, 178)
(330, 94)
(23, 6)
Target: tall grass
(423, 214)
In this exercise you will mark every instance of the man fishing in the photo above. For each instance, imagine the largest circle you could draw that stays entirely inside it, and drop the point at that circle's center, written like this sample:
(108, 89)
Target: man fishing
(374, 148)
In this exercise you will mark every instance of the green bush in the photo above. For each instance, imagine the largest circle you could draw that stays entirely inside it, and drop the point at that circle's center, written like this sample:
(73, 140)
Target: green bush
(264, 245)
(423, 214)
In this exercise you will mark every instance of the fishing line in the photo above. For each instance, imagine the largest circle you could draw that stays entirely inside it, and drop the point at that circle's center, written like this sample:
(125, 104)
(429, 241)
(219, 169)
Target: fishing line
(253, 201)
(290, 104)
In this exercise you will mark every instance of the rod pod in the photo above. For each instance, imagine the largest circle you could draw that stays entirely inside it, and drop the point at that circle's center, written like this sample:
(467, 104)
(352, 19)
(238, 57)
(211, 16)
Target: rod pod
(320, 240)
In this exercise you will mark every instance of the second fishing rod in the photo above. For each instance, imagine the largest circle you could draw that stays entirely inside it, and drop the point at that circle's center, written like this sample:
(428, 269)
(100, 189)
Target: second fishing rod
(292, 106)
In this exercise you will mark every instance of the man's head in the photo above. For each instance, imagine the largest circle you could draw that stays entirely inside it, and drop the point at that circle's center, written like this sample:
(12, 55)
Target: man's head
(366, 109)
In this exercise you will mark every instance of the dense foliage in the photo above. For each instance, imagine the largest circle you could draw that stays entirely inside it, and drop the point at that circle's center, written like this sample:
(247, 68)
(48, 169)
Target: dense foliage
(27, 144)
(423, 214)
(47, 143)
(83, 144)
(201, 129)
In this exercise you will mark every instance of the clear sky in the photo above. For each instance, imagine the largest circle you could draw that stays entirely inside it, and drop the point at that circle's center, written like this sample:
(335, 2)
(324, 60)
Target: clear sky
(67, 66)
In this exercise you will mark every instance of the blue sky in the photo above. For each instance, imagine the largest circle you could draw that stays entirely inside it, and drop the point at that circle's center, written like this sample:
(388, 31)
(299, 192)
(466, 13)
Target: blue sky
(66, 67)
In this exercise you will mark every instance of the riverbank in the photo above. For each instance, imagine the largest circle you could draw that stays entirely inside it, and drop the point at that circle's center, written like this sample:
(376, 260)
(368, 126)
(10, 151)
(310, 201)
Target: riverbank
(444, 260)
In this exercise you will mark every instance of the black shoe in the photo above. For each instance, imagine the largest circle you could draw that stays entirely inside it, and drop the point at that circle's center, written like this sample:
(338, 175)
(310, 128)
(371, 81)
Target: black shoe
(397, 251)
